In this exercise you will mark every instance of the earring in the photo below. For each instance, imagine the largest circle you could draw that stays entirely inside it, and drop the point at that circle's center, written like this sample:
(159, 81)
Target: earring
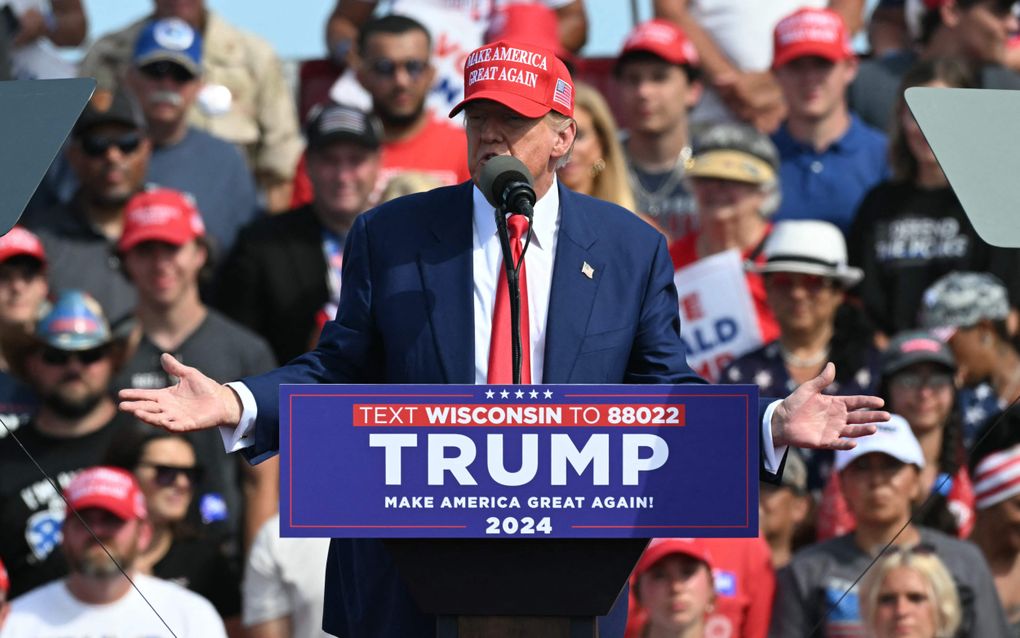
(597, 167)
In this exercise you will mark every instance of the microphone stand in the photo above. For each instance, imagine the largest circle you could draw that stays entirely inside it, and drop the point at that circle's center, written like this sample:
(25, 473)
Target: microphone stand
(512, 272)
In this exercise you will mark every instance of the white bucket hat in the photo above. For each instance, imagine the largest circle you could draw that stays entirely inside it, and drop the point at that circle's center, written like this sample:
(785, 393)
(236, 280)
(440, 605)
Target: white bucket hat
(810, 247)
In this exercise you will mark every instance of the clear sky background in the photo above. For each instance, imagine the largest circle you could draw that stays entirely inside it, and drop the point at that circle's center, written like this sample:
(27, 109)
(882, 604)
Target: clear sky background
(295, 27)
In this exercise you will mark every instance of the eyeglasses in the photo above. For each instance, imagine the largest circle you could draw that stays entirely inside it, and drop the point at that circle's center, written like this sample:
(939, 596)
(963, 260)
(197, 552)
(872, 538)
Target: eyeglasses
(916, 381)
(787, 281)
(388, 68)
(98, 146)
(166, 475)
(164, 69)
(58, 357)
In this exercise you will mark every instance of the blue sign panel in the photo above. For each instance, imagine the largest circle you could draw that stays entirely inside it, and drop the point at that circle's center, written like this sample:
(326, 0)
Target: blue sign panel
(543, 461)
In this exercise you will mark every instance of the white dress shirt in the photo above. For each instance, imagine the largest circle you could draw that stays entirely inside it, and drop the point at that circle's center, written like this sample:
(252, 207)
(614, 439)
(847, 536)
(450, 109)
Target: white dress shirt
(487, 262)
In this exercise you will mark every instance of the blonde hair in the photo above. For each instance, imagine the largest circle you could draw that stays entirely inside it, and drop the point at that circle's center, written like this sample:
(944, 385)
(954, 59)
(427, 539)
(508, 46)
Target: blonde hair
(941, 588)
(611, 184)
(408, 183)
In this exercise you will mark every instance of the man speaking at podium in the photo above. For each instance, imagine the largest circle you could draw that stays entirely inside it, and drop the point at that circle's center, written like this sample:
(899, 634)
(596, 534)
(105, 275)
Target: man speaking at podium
(424, 300)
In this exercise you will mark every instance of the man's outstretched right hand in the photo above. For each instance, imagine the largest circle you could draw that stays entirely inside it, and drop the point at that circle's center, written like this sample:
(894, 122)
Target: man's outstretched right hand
(196, 402)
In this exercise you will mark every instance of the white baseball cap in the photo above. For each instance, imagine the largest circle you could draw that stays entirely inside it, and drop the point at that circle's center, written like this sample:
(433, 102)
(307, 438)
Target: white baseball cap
(894, 438)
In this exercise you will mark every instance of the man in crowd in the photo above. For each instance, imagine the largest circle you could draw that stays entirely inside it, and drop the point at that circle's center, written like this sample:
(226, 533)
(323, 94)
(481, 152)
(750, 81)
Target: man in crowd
(657, 76)
(422, 303)
(975, 30)
(96, 599)
(245, 98)
(166, 77)
(783, 509)
(733, 38)
(165, 253)
(880, 479)
(283, 278)
(109, 155)
(23, 290)
(829, 158)
(68, 364)
(395, 68)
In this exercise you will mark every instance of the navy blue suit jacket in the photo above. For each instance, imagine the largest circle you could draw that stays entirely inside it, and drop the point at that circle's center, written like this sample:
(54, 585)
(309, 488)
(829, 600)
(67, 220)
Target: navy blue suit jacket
(406, 315)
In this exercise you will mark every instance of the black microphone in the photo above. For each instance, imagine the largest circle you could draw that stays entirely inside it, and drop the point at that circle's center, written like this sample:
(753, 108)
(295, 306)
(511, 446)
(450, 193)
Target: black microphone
(507, 184)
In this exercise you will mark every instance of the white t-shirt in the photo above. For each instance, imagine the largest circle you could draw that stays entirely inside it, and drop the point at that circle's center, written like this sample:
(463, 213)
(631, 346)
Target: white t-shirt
(285, 577)
(51, 611)
(743, 31)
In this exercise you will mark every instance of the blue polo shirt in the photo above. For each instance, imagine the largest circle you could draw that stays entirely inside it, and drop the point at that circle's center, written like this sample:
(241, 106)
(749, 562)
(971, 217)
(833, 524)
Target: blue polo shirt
(829, 185)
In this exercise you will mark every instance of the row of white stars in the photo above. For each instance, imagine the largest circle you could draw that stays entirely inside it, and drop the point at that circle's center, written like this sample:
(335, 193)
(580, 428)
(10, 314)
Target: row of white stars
(518, 394)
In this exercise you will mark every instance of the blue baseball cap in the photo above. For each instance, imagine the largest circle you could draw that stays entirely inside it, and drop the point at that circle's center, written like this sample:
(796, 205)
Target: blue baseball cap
(73, 321)
(170, 40)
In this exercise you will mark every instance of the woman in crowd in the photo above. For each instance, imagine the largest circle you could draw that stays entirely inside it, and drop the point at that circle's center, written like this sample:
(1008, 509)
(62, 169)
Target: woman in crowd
(994, 465)
(597, 166)
(674, 589)
(167, 471)
(909, 592)
(734, 176)
(917, 384)
(806, 273)
(911, 230)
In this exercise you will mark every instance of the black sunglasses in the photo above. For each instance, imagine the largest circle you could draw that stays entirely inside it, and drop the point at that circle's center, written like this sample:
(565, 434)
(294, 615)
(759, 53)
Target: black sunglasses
(388, 68)
(57, 357)
(166, 475)
(166, 69)
(98, 146)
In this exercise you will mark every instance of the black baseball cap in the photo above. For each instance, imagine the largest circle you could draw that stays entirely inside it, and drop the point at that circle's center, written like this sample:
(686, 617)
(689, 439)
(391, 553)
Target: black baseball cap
(106, 107)
(337, 122)
(916, 346)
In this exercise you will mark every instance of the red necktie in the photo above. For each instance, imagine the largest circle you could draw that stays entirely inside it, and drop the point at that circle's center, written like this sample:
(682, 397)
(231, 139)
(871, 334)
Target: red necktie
(500, 352)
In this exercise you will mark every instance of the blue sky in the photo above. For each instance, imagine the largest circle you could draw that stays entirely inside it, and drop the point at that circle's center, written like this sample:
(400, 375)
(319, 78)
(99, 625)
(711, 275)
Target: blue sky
(295, 27)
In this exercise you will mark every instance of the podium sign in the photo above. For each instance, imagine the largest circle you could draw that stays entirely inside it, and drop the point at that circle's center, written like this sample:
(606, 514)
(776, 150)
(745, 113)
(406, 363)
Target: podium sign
(542, 461)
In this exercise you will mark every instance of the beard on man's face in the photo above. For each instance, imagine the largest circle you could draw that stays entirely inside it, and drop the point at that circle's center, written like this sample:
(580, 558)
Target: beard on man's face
(71, 406)
(398, 120)
(96, 563)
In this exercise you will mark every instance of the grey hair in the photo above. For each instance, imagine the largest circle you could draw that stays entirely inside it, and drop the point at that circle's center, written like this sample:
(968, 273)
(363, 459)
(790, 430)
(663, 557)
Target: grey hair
(559, 123)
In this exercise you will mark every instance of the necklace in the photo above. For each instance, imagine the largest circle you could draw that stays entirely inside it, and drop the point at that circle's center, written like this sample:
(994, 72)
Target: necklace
(804, 362)
(656, 200)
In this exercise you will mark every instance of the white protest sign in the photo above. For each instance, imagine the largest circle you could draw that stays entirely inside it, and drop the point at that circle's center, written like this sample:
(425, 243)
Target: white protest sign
(718, 319)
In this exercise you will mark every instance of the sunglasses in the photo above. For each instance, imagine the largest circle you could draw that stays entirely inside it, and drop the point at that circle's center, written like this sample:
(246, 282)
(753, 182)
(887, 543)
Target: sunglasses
(916, 381)
(57, 357)
(388, 68)
(99, 146)
(789, 281)
(164, 69)
(166, 475)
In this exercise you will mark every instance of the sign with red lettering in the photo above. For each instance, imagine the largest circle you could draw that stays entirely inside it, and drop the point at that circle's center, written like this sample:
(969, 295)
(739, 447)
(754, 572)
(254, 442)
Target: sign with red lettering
(718, 321)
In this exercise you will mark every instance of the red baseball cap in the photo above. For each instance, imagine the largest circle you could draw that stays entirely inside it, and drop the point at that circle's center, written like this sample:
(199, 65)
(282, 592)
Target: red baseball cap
(19, 241)
(662, 38)
(160, 214)
(525, 78)
(107, 488)
(814, 32)
(660, 548)
(5, 581)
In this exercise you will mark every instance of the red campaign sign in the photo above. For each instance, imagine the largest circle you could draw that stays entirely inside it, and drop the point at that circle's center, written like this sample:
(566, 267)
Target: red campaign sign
(510, 415)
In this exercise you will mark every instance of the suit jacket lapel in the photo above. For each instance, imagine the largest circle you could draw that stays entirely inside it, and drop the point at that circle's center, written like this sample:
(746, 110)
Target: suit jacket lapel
(446, 271)
(573, 293)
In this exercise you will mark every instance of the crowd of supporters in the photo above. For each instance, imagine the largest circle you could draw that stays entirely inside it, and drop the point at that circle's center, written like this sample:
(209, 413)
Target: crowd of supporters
(200, 208)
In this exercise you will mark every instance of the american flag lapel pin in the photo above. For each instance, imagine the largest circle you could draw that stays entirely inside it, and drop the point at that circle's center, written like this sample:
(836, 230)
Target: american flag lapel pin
(587, 270)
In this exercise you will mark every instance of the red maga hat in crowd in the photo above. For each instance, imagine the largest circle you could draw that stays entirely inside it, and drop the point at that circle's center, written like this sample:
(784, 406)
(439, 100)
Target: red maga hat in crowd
(660, 548)
(661, 38)
(160, 214)
(525, 78)
(107, 488)
(810, 32)
(20, 241)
